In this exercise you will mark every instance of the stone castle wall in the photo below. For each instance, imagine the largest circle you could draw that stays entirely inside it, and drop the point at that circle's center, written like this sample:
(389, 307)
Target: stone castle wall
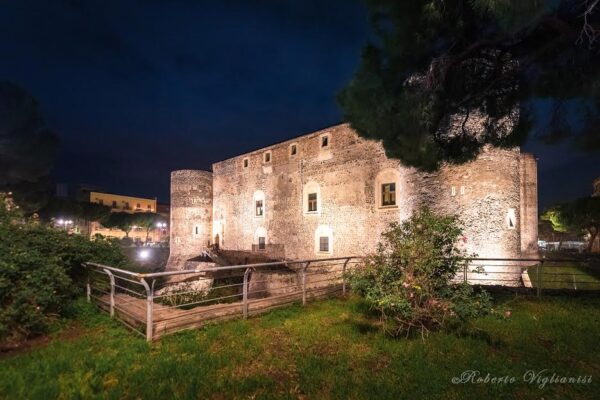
(191, 216)
(347, 175)
(495, 196)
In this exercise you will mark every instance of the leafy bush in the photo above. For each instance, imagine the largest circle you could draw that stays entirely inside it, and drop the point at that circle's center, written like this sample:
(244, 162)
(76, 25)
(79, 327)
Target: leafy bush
(408, 279)
(40, 272)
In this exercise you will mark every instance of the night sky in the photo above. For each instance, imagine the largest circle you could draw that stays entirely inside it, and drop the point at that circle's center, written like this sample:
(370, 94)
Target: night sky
(136, 89)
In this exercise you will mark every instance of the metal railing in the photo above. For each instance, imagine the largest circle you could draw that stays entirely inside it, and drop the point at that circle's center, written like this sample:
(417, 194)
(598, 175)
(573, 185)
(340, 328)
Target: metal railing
(155, 304)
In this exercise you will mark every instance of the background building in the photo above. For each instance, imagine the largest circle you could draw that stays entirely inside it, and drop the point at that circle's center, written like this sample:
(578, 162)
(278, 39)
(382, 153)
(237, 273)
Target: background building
(128, 204)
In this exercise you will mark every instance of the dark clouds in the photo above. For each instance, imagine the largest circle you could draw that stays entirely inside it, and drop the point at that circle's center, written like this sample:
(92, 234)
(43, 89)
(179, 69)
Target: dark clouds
(139, 88)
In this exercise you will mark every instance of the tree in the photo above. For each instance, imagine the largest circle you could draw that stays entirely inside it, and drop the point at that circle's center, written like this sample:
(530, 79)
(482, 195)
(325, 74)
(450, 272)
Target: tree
(147, 220)
(581, 215)
(441, 79)
(408, 279)
(120, 220)
(41, 272)
(27, 148)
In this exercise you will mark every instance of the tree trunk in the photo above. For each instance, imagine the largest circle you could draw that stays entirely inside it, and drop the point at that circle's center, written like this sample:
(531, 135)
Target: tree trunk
(147, 234)
(593, 233)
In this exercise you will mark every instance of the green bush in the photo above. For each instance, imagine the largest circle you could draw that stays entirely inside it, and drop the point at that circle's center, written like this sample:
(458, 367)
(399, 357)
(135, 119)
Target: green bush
(409, 278)
(41, 272)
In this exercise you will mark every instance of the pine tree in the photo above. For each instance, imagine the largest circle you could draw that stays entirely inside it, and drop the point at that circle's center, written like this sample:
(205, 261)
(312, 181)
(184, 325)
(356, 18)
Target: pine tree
(443, 78)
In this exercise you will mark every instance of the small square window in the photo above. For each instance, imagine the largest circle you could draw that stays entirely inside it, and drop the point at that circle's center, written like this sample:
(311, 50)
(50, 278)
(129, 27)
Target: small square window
(324, 141)
(388, 194)
(312, 202)
(293, 150)
(268, 157)
(261, 243)
(245, 163)
(324, 244)
(259, 208)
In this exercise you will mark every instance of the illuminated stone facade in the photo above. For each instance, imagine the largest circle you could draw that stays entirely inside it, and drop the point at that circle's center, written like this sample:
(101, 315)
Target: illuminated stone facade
(331, 193)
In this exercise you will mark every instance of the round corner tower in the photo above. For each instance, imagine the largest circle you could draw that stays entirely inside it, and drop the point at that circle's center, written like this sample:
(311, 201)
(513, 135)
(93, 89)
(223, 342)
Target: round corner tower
(191, 215)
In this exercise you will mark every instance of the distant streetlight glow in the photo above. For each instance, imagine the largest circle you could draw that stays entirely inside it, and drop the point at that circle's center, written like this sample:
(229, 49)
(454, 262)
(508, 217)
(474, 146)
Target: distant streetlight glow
(144, 254)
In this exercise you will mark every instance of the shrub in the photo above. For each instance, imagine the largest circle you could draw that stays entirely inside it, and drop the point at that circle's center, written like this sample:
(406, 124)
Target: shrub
(408, 279)
(41, 273)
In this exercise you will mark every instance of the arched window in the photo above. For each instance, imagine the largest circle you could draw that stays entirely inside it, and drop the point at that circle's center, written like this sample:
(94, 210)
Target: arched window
(387, 185)
(323, 240)
(258, 204)
(311, 198)
(260, 239)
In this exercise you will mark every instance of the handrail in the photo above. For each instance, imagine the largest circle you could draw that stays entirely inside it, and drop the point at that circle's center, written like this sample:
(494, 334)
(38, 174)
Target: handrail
(214, 269)
(141, 275)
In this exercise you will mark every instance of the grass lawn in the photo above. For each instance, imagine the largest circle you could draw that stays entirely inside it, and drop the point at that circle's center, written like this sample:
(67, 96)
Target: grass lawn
(329, 349)
(565, 277)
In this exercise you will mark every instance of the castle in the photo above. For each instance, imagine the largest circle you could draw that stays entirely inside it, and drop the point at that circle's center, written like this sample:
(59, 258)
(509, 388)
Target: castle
(331, 193)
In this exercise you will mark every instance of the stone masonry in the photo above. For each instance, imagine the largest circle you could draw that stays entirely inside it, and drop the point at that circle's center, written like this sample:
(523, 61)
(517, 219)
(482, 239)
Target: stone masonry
(495, 196)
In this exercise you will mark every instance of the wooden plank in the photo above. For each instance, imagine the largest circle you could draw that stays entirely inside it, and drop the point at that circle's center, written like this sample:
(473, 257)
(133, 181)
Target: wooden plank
(169, 320)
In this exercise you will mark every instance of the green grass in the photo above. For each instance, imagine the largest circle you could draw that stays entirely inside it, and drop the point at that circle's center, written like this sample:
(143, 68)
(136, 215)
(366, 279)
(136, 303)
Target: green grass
(565, 277)
(329, 349)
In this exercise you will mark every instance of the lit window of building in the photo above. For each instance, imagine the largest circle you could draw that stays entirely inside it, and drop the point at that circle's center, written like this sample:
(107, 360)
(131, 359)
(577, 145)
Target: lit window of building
(388, 194)
(312, 202)
(324, 244)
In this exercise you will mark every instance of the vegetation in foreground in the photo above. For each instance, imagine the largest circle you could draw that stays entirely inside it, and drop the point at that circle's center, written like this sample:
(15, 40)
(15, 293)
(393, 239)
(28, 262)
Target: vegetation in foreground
(41, 273)
(329, 349)
(408, 280)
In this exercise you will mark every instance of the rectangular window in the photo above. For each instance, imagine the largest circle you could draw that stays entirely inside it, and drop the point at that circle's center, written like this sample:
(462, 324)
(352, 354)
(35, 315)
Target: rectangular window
(312, 202)
(138, 206)
(324, 244)
(268, 157)
(324, 141)
(245, 163)
(101, 202)
(388, 194)
(293, 150)
(453, 191)
(259, 208)
(114, 204)
(261, 243)
(127, 205)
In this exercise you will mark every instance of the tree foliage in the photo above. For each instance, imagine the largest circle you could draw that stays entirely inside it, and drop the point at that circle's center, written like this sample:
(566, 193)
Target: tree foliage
(408, 280)
(147, 220)
(441, 79)
(120, 220)
(27, 148)
(579, 216)
(41, 272)
(66, 208)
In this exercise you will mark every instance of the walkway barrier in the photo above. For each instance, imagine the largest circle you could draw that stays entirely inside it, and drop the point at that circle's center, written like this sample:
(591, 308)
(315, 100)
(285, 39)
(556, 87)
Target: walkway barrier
(156, 304)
